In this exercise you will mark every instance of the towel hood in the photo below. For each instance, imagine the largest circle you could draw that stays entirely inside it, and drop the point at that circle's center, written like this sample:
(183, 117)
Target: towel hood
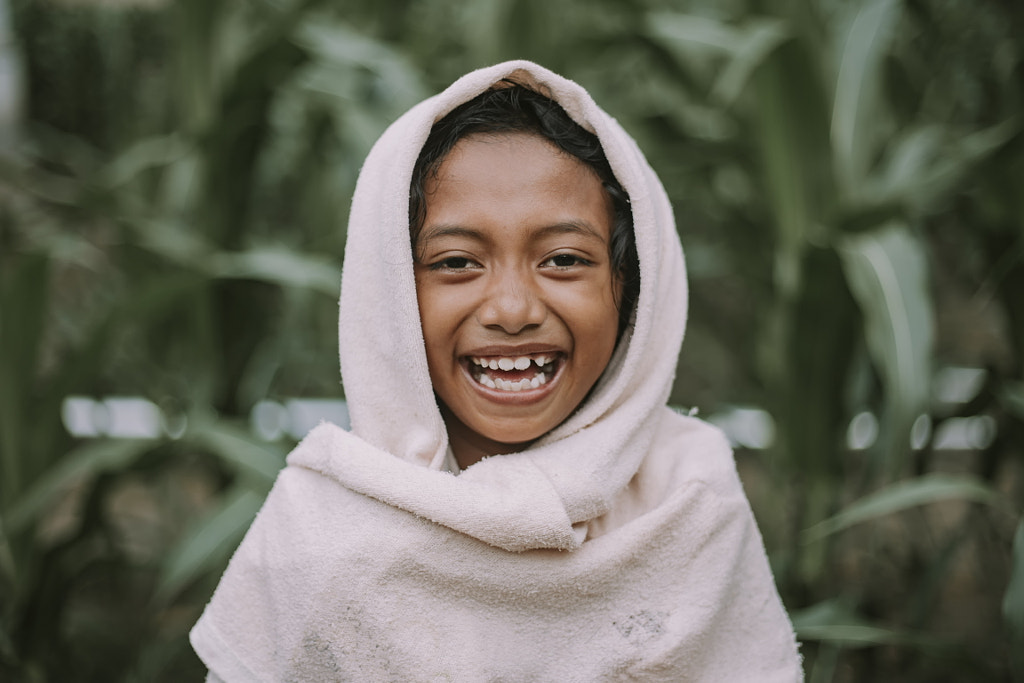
(593, 454)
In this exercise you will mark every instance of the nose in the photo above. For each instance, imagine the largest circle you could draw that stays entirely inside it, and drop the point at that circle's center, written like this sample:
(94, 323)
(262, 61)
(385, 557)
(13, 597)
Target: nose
(512, 304)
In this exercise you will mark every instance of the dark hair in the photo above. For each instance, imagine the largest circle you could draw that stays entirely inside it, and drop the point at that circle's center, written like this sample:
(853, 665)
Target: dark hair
(513, 108)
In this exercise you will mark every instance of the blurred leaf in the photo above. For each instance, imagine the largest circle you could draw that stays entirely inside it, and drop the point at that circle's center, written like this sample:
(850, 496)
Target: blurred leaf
(279, 266)
(911, 153)
(931, 488)
(235, 137)
(171, 239)
(85, 461)
(337, 45)
(1013, 397)
(887, 274)
(699, 46)
(40, 183)
(275, 265)
(962, 155)
(24, 287)
(858, 85)
(789, 129)
(758, 39)
(819, 346)
(198, 25)
(210, 542)
(143, 155)
(239, 449)
(926, 163)
(851, 635)
(834, 622)
(485, 24)
(24, 291)
(688, 30)
(1013, 605)
(60, 245)
(8, 577)
(726, 55)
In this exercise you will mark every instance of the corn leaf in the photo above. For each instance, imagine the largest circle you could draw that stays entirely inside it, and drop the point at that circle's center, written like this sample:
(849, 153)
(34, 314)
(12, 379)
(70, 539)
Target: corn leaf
(1013, 605)
(141, 156)
(1013, 398)
(337, 46)
(904, 495)
(758, 39)
(887, 273)
(24, 291)
(279, 266)
(693, 31)
(833, 621)
(210, 542)
(8, 577)
(858, 88)
(925, 163)
(87, 460)
(237, 448)
(789, 126)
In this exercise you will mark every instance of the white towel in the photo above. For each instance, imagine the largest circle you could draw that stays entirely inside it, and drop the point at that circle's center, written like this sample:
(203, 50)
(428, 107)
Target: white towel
(620, 546)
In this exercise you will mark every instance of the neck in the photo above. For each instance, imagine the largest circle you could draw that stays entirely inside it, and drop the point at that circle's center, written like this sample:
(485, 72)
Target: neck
(469, 447)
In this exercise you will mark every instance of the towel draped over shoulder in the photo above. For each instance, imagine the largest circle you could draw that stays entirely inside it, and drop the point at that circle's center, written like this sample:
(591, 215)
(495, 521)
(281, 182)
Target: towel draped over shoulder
(620, 546)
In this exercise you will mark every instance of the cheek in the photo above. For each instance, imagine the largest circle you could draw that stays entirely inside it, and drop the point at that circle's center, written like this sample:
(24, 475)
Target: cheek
(595, 318)
(440, 312)
(607, 319)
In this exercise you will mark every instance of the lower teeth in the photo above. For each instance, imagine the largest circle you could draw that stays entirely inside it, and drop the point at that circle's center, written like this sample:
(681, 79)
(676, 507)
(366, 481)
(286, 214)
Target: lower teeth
(506, 385)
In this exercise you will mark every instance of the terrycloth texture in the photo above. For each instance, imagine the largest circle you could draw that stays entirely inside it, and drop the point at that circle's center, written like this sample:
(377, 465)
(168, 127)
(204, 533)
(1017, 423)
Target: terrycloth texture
(369, 563)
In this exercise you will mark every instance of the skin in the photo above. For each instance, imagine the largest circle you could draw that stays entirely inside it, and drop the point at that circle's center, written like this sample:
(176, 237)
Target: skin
(513, 260)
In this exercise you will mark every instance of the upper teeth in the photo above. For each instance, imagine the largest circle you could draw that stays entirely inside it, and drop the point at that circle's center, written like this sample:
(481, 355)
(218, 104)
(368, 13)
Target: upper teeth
(507, 363)
(514, 363)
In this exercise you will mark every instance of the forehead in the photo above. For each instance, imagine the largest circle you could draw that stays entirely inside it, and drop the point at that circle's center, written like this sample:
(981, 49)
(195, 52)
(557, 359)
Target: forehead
(514, 177)
(521, 154)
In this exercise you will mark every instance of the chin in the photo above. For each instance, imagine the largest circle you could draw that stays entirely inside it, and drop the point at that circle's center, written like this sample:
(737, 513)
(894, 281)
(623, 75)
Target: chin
(509, 436)
(516, 439)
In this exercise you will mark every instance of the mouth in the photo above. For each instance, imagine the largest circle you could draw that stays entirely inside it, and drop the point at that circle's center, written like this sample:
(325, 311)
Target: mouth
(514, 374)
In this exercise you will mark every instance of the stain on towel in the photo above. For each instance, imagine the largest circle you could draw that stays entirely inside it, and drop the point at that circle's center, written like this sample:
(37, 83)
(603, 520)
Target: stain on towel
(641, 627)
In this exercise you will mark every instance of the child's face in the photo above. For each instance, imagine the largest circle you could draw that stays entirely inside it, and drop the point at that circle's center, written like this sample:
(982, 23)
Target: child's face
(513, 270)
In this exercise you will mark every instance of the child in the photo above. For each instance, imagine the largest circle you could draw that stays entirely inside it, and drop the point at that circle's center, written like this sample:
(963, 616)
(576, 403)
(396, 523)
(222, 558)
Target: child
(513, 287)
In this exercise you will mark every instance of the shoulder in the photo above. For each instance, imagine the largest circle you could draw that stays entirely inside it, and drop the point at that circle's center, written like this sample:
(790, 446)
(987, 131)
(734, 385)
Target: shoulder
(320, 519)
(314, 548)
(687, 431)
(689, 464)
(687, 449)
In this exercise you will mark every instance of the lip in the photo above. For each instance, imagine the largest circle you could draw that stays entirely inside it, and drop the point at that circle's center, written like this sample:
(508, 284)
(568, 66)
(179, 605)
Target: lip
(524, 397)
(509, 351)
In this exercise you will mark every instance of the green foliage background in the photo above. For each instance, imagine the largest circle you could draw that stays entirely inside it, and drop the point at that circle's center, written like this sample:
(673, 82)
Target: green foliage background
(847, 178)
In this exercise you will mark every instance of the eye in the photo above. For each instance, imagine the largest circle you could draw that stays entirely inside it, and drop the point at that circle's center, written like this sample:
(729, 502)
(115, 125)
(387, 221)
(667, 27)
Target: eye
(453, 263)
(565, 261)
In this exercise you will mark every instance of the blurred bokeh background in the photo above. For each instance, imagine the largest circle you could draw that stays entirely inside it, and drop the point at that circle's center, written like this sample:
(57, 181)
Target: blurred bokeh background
(848, 178)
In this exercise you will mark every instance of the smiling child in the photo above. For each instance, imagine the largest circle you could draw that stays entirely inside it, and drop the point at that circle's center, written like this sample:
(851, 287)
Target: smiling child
(514, 269)
(514, 500)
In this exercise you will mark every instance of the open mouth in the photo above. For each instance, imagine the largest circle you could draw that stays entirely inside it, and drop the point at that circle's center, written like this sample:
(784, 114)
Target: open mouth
(514, 373)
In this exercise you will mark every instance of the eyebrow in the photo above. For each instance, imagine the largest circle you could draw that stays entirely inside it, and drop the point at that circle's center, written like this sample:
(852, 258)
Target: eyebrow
(448, 230)
(578, 227)
(560, 228)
